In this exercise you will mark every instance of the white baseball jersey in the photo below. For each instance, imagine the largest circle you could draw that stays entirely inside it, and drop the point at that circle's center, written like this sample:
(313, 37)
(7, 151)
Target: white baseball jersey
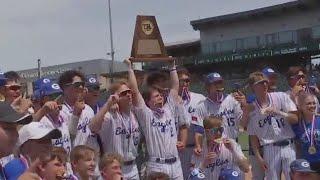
(204, 109)
(272, 128)
(231, 113)
(83, 134)
(65, 140)
(120, 133)
(224, 159)
(160, 132)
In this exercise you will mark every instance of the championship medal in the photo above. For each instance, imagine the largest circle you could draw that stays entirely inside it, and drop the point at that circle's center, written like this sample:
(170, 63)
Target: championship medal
(312, 150)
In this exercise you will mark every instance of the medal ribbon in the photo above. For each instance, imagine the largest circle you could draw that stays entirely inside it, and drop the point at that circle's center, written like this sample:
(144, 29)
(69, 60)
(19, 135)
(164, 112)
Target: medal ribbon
(310, 138)
(269, 101)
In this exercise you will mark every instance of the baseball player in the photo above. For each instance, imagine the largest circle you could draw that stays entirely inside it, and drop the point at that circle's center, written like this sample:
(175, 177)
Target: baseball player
(270, 121)
(157, 120)
(229, 108)
(256, 170)
(119, 128)
(77, 113)
(190, 101)
(219, 152)
(49, 92)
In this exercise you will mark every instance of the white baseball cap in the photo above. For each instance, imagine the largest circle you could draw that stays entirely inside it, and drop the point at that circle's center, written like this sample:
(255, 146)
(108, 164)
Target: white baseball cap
(37, 130)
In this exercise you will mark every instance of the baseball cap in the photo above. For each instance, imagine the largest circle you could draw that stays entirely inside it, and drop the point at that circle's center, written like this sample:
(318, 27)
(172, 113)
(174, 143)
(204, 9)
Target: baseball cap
(9, 115)
(39, 82)
(257, 77)
(92, 81)
(300, 165)
(2, 79)
(229, 174)
(15, 168)
(268, 72)
(213, 77)
(196, 174)
(37, 130)
(47, 89)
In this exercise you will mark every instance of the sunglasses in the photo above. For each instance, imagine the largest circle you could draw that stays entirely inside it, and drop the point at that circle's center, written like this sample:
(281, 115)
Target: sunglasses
(124, 93)
(301, 76)
(13, 87)
(76, 84)
(185, 80)
(216, 130)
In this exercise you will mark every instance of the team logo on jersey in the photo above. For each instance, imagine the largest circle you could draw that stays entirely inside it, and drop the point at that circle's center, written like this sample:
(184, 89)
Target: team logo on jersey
(83, 126)
(164, 126)
(217, 163)
(191, 110)
(271, 120)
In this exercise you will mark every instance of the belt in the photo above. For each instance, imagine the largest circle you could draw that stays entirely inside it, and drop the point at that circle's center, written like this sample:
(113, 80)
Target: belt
(281, 143)
(128, 163)
(190, 145)
(164, 160)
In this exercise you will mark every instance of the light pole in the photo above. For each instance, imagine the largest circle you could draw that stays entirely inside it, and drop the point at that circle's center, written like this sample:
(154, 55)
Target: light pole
(111, 41)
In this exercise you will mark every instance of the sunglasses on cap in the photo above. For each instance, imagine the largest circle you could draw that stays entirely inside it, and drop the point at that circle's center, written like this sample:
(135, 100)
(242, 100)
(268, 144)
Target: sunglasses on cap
(261, 82)
(124, 93)
(216, 130)
(13, 87)
(76, 84)
(185, 80)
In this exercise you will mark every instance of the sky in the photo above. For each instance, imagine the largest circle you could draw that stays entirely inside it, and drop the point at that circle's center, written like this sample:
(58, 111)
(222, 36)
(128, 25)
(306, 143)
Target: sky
(64, 31)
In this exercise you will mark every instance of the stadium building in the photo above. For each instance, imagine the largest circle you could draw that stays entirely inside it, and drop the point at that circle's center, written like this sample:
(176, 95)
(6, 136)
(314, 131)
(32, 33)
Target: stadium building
(100, 67)
(237, 44)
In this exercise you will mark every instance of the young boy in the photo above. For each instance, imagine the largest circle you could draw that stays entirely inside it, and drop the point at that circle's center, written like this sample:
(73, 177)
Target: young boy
(110, 166)
(83, 161)
(219, 152)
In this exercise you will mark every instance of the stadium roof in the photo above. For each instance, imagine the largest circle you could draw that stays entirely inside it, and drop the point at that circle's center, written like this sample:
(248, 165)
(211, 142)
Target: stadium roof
(184, 43)
(196, 24)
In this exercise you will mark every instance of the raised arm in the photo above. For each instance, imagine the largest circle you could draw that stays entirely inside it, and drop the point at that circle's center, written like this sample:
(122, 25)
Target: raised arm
(174, 82)
(137, 97)
(97, 120)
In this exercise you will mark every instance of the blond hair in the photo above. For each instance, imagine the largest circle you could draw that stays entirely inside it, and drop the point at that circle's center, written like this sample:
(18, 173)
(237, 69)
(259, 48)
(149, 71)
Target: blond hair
(108, 159)
(212, 121)
(81, 152)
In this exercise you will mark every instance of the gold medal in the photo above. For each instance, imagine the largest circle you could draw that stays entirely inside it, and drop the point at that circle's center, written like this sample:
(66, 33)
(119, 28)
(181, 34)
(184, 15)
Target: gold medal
(312, 150)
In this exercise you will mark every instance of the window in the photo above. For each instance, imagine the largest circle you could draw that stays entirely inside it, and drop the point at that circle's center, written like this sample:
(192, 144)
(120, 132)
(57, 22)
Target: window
(270, 39)
(250, 42)
(285, 37)
(228, 45)
(316, 32)
(239, 44)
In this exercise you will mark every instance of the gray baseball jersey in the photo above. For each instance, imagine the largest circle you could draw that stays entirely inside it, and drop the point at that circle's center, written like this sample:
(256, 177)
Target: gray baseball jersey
(231, 113)
(120, 133)
(225, 159)
(83, 133)
(272, 128)
(160, 132)
(65, 140)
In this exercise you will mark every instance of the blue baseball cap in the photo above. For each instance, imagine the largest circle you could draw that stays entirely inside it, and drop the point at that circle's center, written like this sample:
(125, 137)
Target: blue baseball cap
(196, 174)
(268, 72)
(14, 169)
(92, 82)
(39, 82)
(2, 79)
(213, 77)
(36, 94)
(49, 88)
(229, 174)
(301, 165)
